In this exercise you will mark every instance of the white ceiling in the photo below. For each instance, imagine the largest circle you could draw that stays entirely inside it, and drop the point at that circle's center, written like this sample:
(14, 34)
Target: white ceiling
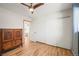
(17, 8)
(51, 8)
(46, 8)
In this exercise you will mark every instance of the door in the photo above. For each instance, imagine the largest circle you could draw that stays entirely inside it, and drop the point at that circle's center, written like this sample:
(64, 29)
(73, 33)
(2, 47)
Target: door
(26, 31)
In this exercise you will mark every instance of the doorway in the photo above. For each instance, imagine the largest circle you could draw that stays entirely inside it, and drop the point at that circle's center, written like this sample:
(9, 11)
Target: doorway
(26, 30)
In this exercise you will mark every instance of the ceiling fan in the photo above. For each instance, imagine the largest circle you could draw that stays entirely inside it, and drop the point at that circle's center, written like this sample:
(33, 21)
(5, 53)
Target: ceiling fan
(32, 7)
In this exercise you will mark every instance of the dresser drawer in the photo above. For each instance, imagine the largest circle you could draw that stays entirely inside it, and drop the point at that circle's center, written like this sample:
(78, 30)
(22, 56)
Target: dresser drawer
(17, 42)
(7, 45)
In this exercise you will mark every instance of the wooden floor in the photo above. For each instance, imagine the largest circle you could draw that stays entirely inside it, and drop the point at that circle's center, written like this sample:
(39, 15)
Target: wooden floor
(39, 49)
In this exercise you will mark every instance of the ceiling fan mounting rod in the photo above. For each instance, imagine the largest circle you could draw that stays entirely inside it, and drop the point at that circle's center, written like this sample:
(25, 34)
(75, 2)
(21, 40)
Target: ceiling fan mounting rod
(31, 7)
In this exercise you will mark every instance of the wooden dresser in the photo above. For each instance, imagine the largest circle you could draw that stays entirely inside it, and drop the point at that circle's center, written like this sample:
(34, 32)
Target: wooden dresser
(10, 39)
(0, 40)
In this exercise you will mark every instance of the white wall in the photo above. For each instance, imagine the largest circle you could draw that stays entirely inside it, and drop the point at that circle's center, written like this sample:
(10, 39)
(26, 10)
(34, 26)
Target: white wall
(53, 29)
(10, 19)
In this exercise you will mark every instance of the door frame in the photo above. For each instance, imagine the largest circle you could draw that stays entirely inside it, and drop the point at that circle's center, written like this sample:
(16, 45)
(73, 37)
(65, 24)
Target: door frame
(23, 29)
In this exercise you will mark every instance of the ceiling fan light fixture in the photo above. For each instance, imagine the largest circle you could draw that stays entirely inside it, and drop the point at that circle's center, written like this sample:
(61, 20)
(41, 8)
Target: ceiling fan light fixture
(31, 9)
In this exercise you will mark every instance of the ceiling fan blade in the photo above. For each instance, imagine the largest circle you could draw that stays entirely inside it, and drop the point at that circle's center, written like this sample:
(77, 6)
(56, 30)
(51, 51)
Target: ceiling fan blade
(38, 5)
(25, 5)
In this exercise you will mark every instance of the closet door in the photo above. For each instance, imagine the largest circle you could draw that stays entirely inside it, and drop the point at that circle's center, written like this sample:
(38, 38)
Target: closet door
(18, 37)
(7, 40)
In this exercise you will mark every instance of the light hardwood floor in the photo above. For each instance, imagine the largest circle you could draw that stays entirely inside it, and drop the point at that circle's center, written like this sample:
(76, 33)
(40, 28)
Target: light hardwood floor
(39, 49)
